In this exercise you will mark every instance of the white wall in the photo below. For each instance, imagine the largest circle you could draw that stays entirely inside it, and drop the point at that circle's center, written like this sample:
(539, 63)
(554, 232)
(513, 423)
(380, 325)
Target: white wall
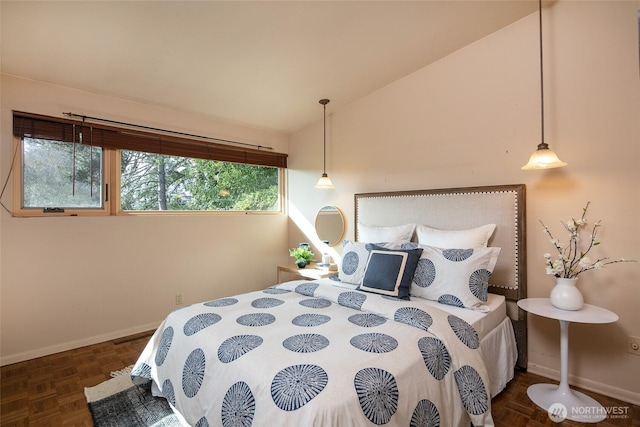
(473, 118)
(72, 281)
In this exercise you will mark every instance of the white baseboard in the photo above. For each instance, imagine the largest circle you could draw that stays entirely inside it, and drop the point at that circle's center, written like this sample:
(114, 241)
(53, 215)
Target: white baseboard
(605, 389)
(45, 351)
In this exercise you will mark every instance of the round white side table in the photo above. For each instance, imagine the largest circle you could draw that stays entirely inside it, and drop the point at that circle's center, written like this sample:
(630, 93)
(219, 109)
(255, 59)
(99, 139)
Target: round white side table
(579, 406)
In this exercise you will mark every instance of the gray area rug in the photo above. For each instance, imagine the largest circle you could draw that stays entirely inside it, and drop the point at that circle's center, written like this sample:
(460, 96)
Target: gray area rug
(119, 403)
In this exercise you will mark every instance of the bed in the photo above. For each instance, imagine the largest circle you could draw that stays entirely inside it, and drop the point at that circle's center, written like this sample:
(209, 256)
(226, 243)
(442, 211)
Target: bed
(365, 347)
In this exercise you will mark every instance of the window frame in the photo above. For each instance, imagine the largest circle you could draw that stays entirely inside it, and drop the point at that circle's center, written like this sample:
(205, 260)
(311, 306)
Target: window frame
(20, 211)
(112, 174)
(116, 204)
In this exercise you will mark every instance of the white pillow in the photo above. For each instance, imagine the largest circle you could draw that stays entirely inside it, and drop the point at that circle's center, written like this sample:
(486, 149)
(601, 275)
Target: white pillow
(371, 234)
(458, 277)
(473, 238)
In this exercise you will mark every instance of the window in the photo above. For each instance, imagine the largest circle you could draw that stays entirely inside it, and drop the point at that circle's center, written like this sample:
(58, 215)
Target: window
(72, 168)
(155, 182)
(59, 174)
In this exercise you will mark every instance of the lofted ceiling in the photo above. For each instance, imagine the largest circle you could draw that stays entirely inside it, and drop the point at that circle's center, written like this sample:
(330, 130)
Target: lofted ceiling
(259, 63)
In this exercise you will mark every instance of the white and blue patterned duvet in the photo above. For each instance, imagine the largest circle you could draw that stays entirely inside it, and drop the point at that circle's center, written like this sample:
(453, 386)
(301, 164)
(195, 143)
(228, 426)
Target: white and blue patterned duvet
(312, 354)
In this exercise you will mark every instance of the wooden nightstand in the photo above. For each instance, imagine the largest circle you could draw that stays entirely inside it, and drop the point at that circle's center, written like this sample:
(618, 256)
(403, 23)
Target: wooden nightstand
(311, 271)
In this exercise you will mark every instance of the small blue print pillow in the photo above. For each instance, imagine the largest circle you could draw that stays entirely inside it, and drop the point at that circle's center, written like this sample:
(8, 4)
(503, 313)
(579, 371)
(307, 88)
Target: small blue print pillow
(458, 277)
(354, 262)
(390, 271)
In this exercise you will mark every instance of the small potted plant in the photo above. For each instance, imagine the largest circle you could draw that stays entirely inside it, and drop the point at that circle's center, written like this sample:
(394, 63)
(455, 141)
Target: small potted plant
(303, 256)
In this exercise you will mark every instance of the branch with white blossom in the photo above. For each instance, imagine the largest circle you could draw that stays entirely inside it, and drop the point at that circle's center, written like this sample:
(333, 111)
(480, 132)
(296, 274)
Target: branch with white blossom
(571, 260)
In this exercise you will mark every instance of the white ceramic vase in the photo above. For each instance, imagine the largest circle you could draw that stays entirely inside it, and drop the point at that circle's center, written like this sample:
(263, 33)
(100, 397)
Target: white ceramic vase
(565, 295)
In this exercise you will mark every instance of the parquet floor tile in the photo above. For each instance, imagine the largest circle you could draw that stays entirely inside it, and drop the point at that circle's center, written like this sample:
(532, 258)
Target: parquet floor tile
(49, 391)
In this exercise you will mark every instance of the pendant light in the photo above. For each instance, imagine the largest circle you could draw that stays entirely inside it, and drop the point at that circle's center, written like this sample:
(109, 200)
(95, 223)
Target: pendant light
(544, 157)
(324, 182)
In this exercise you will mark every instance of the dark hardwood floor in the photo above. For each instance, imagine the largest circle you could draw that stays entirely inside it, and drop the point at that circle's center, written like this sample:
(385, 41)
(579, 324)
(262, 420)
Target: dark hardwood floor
(513, 408)
(49, 391)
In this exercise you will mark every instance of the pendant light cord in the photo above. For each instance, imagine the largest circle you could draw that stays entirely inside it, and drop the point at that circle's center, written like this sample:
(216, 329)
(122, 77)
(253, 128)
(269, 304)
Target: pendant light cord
(324, 103)
(541, 76)
(324, 139)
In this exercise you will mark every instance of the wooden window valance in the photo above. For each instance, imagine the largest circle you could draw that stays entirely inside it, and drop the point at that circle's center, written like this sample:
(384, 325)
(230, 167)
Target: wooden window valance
(99, 135)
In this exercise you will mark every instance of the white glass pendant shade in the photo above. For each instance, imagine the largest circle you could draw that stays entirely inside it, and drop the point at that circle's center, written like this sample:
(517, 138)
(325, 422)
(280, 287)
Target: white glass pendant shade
(543, 158)
(324, 182)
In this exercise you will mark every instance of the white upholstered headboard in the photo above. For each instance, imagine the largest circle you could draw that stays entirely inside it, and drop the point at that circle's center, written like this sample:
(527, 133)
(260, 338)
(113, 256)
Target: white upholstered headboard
(459, 209)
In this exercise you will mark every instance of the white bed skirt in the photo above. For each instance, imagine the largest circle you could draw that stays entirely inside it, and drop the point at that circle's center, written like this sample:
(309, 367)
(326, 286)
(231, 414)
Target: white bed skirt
(500, 355)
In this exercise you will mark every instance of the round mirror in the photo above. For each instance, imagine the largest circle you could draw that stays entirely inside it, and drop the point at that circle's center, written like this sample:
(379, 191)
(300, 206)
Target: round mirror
(330, 225)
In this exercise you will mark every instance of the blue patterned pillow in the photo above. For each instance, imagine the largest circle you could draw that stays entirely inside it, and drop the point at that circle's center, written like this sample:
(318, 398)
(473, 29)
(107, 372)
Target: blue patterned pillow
(458, 277)
(390, 271)
(354, 261)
